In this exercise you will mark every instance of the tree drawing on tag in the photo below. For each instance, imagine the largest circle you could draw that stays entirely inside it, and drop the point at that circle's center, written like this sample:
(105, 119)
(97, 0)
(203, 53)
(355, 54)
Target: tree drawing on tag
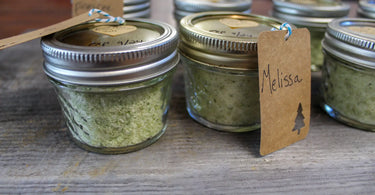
(299, 122)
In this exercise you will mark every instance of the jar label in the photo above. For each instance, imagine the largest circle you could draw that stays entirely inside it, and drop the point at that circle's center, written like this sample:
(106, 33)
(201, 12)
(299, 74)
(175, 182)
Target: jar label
(363, 29)
(114, 30)
(284, 88)
(235, 23)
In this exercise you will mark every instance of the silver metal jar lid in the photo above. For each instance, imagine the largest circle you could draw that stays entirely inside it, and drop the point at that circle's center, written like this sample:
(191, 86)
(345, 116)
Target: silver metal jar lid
(140, 14)
(366, 8)
(179, 14)
(212, 5)
(310, 12)
(110, 54)
(135, 8)
(367, 5)
(224, 38)
(351, 39)
(132, 2)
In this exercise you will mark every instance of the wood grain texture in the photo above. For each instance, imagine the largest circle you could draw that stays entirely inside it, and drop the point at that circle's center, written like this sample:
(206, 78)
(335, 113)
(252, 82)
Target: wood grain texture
(18, 16)
(37, 156)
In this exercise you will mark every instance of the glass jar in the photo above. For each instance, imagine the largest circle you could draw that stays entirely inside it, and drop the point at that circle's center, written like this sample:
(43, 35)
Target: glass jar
(313, 15)
(348, 73)
(219, 53)
(366, 8)
(113, 82)
(187, 7)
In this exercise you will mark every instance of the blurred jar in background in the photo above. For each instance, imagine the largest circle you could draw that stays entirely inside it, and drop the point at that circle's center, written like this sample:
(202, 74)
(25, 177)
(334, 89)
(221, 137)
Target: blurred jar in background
(314, 15)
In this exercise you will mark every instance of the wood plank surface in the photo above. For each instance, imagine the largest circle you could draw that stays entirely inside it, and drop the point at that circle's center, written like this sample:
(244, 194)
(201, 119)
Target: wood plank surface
(38, 157)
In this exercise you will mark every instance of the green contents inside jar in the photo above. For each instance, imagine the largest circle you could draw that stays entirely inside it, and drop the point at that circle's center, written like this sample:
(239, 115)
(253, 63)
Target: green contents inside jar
(317, 56)
(349, 93)
(222, 98)
(112, 119)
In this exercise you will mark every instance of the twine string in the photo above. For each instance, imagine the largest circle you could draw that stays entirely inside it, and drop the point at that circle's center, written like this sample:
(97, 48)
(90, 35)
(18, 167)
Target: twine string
(284, 26)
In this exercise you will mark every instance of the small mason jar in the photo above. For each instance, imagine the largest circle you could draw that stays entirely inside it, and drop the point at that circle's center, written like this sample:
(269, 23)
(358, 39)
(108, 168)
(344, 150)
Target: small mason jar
(366, 8)
(187, 7)
(348, 72)
(313, 15)
(219, 53)
(113, 82)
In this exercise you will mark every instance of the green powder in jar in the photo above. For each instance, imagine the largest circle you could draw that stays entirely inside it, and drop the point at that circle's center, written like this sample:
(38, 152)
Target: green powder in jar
(349, 90)
(317, 56)
(223, 98)
(118, 118)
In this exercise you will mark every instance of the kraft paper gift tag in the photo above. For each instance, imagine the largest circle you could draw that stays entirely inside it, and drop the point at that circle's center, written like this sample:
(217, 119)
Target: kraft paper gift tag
(285, 88)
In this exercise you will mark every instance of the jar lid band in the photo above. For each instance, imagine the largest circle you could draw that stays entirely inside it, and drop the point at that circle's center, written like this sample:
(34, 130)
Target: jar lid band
(351, 39)
(314, 9)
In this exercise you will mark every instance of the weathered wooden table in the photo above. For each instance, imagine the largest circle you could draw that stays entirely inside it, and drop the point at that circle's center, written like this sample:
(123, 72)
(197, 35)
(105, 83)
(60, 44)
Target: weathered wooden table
(37, 156)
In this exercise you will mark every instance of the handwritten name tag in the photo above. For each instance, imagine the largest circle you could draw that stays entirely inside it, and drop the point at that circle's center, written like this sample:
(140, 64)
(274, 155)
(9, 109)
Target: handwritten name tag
(279, 81)
(285, 88)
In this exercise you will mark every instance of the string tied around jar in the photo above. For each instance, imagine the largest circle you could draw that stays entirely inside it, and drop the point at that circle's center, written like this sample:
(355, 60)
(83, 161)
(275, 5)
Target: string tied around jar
(109, 18)
(284, 26)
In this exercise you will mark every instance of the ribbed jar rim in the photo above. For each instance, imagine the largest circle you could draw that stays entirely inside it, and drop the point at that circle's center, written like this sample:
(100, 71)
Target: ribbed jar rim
(219, 37)
(132, 2)
(135, 8)
(367, 5)
(139, 14)
(212, 5)
(352, 39)
(313, 9)
(310, 22)
(145, 49)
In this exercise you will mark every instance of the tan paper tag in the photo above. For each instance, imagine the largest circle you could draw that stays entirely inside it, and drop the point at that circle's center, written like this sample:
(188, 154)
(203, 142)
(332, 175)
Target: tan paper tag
(113, 7)
(11, 41)
(285, 88)
(114, 30)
